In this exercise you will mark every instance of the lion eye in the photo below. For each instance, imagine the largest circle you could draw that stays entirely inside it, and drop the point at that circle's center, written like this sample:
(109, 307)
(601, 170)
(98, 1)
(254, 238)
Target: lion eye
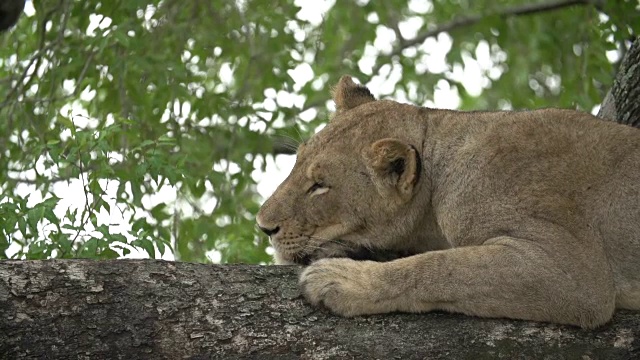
(317, 189)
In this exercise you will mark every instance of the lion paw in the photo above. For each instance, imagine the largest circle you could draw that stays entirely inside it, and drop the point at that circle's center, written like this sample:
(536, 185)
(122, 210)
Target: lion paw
(344, 286)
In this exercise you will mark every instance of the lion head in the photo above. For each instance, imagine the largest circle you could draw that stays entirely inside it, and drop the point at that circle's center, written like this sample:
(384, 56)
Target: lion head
(358, 187)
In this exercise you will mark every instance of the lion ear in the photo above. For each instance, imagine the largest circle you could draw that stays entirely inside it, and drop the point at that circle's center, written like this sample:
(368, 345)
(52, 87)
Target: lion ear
(348, 95)
(394, 166)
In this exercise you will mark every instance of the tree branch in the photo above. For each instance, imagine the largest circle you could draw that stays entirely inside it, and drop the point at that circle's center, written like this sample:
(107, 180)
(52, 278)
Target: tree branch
(10, 11)
(164, 310)
(527, 9)
(621, 103)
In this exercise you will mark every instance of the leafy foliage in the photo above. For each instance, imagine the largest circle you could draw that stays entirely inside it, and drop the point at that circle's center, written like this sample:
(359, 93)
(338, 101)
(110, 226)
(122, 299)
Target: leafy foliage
(158, 112)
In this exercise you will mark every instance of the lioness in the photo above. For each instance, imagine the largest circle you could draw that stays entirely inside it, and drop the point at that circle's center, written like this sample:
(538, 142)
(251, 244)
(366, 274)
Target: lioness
(521, 214)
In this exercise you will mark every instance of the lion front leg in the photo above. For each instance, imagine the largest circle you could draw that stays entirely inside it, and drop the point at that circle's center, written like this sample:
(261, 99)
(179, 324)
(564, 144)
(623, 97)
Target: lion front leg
(506, 277)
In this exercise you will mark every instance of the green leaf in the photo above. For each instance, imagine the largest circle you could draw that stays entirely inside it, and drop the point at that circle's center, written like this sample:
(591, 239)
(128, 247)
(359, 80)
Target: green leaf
(125, 251)
(139, 224)
(4, 245)
(146, 143)
(34, 216)
(108, 254)
(68, 124)
(147, 245)
(9, 224)
(161, 247)
(159, 212)
(90, 248)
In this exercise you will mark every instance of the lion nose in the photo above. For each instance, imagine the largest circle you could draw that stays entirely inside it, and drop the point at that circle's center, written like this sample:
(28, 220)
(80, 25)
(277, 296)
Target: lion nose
(269, 232)
(266, 228)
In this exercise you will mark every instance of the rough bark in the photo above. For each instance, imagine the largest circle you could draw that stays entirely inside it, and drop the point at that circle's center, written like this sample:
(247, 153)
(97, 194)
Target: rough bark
(164, 310)
(622, 103)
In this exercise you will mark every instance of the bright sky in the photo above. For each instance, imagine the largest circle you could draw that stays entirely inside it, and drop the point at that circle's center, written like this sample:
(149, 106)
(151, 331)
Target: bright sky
(471, 74)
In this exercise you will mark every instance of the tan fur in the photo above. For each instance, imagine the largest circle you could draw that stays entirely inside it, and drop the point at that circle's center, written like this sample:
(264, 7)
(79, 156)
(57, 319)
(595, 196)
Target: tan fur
(528, 215)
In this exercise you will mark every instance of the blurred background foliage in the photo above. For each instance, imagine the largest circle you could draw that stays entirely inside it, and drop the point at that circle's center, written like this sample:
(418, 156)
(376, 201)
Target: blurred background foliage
(140, 127)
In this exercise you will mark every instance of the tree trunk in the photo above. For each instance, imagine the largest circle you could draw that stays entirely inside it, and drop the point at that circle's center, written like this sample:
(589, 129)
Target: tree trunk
(622, 103)
(163, 310)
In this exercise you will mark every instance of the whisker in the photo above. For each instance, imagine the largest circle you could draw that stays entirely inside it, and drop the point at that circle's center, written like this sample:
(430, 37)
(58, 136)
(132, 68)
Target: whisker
(292, 142)
(298, 132)
(333, 241)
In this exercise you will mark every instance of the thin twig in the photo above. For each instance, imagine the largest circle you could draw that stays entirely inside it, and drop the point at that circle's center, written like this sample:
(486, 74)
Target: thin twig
(465, 21)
